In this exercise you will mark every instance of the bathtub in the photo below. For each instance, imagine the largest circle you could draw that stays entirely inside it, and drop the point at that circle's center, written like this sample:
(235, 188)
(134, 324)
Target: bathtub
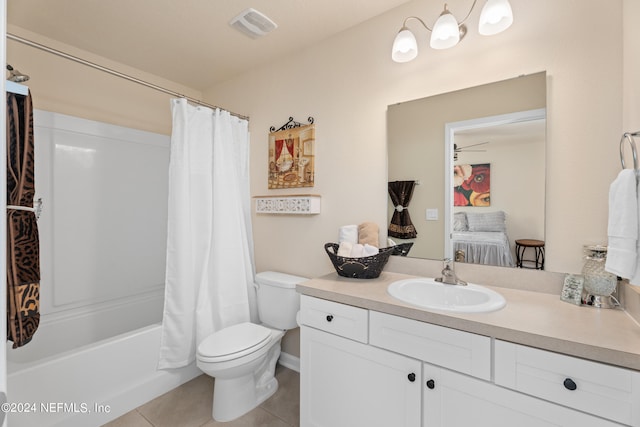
(94, 355)
(92, 384)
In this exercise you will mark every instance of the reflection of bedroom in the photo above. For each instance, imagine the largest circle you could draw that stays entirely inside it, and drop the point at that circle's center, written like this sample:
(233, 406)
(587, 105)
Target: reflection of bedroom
(516, 155)
(417, 138)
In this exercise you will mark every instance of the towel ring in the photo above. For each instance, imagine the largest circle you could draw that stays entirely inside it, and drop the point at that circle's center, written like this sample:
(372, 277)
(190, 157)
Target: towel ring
(627, 136)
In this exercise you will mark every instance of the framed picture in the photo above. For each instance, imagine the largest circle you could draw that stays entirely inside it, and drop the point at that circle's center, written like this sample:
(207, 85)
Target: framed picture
(572, 289)
(292, 157)
(472, 185)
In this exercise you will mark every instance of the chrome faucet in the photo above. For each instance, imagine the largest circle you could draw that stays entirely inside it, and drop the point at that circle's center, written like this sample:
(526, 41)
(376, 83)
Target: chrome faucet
(449, 275)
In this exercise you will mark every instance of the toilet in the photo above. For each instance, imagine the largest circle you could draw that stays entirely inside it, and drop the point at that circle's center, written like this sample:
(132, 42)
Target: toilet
(242, 358)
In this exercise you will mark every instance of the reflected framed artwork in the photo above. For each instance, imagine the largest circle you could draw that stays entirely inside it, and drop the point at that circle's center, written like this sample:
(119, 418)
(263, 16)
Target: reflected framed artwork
(472, 185)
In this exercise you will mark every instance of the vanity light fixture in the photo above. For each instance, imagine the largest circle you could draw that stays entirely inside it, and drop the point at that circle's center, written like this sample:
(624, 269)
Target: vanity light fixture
(496, 16)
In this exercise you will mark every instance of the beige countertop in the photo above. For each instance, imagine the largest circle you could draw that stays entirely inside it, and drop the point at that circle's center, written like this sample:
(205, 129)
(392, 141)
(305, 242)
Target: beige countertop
(536, 319)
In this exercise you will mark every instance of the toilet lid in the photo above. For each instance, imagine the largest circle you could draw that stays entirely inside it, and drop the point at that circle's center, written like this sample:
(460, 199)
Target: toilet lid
(234, 341)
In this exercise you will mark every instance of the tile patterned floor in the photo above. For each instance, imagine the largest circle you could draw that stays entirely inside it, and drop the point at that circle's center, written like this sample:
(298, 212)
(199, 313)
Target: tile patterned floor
(190, 406)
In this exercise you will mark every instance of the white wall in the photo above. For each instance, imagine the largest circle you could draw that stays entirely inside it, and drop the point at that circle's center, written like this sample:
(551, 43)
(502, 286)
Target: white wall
(347, 81)
(631, 68)
(60, 85)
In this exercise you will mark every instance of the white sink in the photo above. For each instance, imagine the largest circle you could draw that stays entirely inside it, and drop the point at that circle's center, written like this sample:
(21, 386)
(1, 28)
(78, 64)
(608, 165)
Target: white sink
(427, 293)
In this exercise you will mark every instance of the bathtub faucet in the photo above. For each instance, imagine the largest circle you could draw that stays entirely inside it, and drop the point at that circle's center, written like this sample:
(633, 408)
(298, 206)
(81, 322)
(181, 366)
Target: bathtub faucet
(449, 275)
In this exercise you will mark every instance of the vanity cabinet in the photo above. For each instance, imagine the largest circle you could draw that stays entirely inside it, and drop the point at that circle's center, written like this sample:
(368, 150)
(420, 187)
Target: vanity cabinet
(375, 369)
(456, 400)
(607, 391)
(346, 383)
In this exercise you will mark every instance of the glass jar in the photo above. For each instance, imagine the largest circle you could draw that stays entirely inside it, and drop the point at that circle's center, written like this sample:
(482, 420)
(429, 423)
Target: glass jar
(597, 281)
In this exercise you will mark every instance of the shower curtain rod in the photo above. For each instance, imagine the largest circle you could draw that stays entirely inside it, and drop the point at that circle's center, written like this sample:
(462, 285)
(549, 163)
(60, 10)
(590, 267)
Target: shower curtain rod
(114, 72)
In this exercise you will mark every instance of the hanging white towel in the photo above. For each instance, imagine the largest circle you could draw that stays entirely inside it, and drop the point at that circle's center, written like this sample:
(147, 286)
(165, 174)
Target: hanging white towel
(623, 228)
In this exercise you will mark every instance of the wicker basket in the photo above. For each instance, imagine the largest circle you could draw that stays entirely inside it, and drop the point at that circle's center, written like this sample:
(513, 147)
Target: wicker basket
(402, 249)
(368, 267)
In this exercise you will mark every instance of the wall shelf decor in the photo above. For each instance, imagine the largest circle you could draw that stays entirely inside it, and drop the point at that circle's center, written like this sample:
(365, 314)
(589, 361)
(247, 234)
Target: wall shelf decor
(297, 204)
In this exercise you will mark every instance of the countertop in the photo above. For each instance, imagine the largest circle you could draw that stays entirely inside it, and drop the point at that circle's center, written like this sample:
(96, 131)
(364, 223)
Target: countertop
(535, 319)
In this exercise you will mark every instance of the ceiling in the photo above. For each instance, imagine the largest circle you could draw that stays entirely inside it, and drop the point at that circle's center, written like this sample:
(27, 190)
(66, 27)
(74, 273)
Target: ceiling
(510, 133)
(189, 41)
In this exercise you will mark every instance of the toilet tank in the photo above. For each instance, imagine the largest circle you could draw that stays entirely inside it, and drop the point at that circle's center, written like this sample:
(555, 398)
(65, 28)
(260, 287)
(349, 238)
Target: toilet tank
(278, 301)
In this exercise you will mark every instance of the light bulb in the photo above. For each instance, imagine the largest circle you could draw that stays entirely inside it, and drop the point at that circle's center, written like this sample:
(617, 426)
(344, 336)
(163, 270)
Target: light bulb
(496, 16)
(405, 46)
(446, 32)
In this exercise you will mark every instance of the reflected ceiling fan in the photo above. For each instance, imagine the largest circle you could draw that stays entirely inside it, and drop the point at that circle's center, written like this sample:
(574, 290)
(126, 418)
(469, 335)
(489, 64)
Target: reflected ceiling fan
(457, 149)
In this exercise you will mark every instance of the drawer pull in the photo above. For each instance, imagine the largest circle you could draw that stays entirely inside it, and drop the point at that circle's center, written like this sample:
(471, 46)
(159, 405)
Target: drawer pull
(329, 317)
(569, 384)
(412, 377)
(431, 384)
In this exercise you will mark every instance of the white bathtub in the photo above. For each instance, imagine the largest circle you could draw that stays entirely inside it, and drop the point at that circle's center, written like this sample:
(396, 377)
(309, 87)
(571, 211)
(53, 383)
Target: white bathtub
(102, 262)
(92, 384)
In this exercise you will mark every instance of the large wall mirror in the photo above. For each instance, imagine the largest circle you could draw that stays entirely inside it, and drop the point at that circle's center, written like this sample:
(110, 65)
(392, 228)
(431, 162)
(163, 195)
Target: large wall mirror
(477, 157)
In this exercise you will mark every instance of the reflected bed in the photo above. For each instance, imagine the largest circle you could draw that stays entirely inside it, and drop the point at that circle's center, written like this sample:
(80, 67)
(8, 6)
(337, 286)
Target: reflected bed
(482, 237)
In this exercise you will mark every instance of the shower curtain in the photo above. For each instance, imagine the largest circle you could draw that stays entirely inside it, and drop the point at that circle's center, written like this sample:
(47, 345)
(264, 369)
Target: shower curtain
(23, 252)
(210, 269)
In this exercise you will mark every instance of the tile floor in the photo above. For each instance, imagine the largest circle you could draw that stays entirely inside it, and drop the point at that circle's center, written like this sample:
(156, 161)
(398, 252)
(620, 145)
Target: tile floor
(190, 406)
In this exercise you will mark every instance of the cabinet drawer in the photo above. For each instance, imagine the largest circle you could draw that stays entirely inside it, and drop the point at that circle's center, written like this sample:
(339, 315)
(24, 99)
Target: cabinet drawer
(460, 351)
(604, 390)
(340, 319)
(456, 400)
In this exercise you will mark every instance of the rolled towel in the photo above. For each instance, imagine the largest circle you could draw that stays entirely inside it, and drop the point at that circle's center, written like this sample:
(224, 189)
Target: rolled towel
(344, 249)
(370, 250)
(368, 234)
(357, 251)
(348, 233)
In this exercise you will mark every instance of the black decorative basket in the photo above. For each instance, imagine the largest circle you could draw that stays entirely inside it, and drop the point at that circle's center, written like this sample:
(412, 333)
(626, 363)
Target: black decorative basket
(402, 249)
(368, 267)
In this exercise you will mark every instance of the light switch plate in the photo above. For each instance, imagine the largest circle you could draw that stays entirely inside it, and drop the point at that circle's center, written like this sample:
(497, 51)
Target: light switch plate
(432, 214)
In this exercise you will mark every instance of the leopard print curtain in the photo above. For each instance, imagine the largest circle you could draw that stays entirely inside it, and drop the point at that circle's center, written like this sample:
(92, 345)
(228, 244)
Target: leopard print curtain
(23, 254)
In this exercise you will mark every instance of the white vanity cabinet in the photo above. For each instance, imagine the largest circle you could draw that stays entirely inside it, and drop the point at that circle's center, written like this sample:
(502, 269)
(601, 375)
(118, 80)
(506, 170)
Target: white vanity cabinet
(365, 368)
(451, 399)
(346, 383)
(607, 391)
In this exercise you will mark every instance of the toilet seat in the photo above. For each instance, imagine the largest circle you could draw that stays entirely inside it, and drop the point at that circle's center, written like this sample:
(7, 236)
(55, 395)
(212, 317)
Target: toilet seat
(233, 342)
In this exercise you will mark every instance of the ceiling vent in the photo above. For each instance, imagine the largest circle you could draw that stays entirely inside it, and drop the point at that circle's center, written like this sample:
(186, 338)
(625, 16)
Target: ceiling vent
(253, 23)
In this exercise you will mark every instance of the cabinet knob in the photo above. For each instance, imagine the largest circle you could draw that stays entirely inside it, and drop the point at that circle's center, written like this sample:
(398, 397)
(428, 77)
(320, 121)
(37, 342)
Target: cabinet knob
(412, 377)
(569, 384)
(431, 384)
(329, 317)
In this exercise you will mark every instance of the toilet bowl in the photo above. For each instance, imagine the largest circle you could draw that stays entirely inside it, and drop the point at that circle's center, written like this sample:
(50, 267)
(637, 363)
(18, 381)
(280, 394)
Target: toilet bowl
(242, 358)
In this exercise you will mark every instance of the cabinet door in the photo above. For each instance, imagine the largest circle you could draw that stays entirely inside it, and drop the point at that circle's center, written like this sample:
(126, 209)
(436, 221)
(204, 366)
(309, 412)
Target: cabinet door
(455, 400)
(349, 384)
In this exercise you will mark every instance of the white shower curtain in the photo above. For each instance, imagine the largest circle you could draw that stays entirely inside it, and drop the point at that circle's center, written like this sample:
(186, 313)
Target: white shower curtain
(210, 269)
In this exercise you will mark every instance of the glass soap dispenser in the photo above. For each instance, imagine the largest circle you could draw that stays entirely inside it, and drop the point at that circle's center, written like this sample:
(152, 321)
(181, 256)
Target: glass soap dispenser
(599, 285)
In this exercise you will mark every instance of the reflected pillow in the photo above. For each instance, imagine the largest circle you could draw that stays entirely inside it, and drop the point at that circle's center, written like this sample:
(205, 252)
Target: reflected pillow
(488, 221)
(460, 222)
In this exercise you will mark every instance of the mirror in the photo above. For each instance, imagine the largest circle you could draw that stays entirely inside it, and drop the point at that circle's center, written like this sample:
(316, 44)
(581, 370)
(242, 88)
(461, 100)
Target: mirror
(504, 122)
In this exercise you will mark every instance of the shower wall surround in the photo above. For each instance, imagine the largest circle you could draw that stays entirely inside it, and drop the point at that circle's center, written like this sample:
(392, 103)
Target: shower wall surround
(103, 224)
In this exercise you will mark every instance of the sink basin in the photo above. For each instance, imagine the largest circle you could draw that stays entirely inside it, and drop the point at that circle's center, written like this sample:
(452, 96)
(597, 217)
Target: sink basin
(429, 294)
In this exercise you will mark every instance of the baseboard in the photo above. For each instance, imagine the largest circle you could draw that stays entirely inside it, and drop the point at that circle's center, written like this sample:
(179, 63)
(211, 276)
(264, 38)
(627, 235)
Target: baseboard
(289, 361)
